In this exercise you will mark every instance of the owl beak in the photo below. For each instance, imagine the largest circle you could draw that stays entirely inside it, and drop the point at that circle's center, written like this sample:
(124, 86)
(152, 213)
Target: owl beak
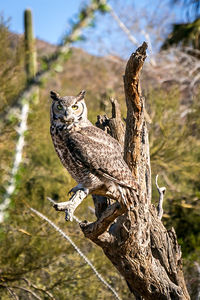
(67, 120)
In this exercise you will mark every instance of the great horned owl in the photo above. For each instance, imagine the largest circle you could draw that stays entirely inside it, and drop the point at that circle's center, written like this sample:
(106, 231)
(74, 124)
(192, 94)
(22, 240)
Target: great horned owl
(92, 157)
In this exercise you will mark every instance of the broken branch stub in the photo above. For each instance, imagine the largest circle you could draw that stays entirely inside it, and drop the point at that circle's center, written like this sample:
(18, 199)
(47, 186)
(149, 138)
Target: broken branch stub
(136, 146)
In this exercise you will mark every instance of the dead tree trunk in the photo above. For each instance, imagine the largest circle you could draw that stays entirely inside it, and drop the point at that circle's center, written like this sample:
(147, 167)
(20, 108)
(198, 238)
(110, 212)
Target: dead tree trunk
(145, 253)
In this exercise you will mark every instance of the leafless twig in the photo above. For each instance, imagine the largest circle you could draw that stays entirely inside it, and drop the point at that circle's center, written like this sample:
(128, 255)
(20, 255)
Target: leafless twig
(26, 290)
(30, 284)
(12, 293)
(130, 36)
(161, 191)
(123, 26)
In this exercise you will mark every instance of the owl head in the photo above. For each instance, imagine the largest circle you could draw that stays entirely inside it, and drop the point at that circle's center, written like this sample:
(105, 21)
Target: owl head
(68, 110)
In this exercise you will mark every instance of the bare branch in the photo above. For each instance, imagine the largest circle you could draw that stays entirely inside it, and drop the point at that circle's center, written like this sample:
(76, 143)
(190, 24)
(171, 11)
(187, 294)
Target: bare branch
(161, 191)
(94, 230)
(114, 125)
(26, 290)
(70, 206)
(123, 26)
(130, 35)
(11, 292)
(30, 284)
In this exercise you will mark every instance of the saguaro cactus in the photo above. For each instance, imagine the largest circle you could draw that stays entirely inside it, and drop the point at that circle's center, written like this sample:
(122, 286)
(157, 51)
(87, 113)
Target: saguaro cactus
(30, 52)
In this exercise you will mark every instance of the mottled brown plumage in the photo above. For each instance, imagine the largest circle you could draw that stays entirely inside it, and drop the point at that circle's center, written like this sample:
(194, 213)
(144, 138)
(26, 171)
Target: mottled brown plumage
(92, 157)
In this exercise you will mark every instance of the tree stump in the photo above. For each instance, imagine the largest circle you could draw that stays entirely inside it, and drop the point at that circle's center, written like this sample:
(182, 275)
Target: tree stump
(145, 253)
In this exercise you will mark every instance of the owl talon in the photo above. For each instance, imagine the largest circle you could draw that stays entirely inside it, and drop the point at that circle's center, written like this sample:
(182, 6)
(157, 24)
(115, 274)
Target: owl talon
(70, 192)
(76, 189)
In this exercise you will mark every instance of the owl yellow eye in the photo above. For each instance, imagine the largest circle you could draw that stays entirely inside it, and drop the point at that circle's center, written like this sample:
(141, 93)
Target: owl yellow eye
(59, 107)
(75, 107)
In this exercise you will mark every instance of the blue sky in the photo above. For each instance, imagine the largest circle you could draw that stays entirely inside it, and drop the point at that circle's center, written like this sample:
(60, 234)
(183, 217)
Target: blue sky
(52, 19)
(50, 16)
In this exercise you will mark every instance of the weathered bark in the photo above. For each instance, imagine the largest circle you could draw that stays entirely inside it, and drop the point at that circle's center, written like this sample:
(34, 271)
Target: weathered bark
(145, 253)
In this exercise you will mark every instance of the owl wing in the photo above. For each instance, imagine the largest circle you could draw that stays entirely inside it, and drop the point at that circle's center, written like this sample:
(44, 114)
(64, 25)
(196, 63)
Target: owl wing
(101, 154)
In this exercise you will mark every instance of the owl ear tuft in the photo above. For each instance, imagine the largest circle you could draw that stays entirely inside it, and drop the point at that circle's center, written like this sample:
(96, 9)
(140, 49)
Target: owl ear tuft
(81, 95)
(54, 95)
